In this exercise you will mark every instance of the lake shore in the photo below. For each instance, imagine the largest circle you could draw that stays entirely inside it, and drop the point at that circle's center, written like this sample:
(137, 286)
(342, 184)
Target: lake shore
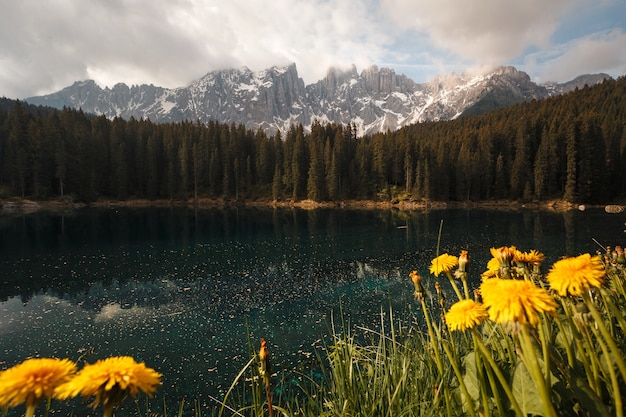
(65, 204)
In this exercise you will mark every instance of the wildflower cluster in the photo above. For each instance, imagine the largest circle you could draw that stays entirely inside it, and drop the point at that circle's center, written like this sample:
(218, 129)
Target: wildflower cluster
(109, 381)
(527, 325)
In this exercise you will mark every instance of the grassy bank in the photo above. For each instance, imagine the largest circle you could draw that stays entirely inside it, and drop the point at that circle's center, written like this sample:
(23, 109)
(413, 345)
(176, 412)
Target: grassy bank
(525, 342)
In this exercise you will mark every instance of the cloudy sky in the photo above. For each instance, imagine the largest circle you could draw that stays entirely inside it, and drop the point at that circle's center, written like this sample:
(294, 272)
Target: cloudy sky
(46, 45)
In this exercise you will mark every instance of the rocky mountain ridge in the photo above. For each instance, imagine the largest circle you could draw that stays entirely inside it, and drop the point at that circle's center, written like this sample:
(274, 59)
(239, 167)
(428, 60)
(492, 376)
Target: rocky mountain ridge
(375, 100)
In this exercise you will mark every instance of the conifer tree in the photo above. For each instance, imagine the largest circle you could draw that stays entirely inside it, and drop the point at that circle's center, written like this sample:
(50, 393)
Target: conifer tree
(569, 193)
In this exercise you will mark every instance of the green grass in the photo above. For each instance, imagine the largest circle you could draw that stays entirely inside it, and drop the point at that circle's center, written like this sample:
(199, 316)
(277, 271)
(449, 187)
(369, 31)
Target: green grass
(569, 364)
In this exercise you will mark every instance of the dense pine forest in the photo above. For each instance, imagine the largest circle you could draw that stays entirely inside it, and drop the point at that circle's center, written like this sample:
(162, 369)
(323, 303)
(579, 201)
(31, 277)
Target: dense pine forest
(570, 147)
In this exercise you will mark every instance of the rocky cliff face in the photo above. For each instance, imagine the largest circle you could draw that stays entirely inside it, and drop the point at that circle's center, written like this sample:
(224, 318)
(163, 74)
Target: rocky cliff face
(375, 100)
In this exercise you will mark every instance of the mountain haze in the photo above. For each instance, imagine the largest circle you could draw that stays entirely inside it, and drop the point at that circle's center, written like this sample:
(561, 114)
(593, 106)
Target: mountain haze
(376, 100)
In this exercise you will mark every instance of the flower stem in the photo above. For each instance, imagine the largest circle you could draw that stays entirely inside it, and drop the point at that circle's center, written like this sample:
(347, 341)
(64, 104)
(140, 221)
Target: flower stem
(617, 398)
(108, 410)
(492, 363)
(577, 337)
(433, 343)
(616, 312)
(546, 353)
(617, 354)
(459, 377)
(454, 286)
(30, 410)
(532, 365)
(432, 337)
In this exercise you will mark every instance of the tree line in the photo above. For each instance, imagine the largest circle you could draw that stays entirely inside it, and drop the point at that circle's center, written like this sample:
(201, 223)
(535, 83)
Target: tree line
(570, 147)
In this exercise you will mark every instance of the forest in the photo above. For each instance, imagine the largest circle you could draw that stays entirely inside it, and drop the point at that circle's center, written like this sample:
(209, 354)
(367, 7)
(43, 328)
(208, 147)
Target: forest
(570, 147)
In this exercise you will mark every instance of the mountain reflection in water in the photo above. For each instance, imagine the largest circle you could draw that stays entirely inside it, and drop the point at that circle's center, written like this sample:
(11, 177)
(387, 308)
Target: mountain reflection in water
(182, 289)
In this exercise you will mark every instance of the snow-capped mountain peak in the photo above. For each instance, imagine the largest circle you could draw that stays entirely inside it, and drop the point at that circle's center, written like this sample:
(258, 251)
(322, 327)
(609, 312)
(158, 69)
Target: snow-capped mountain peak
(273, 99)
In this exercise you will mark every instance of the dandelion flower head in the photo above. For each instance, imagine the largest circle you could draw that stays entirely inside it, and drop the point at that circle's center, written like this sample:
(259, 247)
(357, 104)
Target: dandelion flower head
(490, 273)
(465, 314)
(518, 301)
(110, 379)
(503, 254)
(33, 379)
(574, 276)
(533, 257)
(493, 264)
(443, 263)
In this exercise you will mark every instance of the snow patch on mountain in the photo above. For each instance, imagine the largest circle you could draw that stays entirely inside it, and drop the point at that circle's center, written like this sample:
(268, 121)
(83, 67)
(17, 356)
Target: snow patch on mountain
(376, 100)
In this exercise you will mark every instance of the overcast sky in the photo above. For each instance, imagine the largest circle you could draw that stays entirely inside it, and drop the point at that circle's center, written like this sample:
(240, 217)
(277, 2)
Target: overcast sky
(46, 45)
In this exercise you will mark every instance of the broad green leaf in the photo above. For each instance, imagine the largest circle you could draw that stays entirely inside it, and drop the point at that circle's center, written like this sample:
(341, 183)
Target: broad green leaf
(471, 375)
(470, 378)
(588, 400)
(526, 392)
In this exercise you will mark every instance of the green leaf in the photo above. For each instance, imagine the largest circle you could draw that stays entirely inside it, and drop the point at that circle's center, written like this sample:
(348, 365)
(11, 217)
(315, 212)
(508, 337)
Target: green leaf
(588, 399)
(526, 392)
(471, 376)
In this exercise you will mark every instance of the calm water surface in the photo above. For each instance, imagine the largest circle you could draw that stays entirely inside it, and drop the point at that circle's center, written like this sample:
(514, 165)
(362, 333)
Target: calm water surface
(182, 289)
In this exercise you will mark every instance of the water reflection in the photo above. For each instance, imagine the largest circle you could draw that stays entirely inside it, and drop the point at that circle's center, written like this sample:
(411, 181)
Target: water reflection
(181, 289)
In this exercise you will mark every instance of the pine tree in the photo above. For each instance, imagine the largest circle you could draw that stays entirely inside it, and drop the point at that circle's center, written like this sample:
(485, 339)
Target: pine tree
(185, 164)
(520, 169)
(541, 167)
(315, 174)
(299, 165)
(501, 178)
(592, 161)
(38, 157)
(569, 194)
(153, 165)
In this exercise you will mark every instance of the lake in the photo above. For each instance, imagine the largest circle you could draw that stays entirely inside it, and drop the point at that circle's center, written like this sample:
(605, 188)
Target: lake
(182, 289)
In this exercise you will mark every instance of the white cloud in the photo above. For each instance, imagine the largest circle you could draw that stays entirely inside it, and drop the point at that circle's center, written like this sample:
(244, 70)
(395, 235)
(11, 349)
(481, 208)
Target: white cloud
(599, 52)
(171, 43)
(486, 32)
(47, 45)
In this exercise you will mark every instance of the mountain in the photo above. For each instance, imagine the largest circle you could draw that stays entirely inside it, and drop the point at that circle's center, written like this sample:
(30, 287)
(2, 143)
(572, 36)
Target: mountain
(375, 100)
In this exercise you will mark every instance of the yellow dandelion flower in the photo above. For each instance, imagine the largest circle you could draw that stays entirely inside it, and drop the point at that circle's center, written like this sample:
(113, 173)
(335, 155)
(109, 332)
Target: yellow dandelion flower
(533, 257)
(574, 276)
(518, 301)
(493, 269)
(493, 264)
(110, 380)
(465, 314)
(503, 254)
(443, 263)
(490, 273)
(32, 380)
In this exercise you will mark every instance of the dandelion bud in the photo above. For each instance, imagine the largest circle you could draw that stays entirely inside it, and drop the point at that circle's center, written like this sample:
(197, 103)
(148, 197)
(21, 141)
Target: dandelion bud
(441, 297)
(504, 255)
(415, 277)
(263, 354)
(621, 259)
(264, 357)
(609, 252)
(420, 292)
(463, 261)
